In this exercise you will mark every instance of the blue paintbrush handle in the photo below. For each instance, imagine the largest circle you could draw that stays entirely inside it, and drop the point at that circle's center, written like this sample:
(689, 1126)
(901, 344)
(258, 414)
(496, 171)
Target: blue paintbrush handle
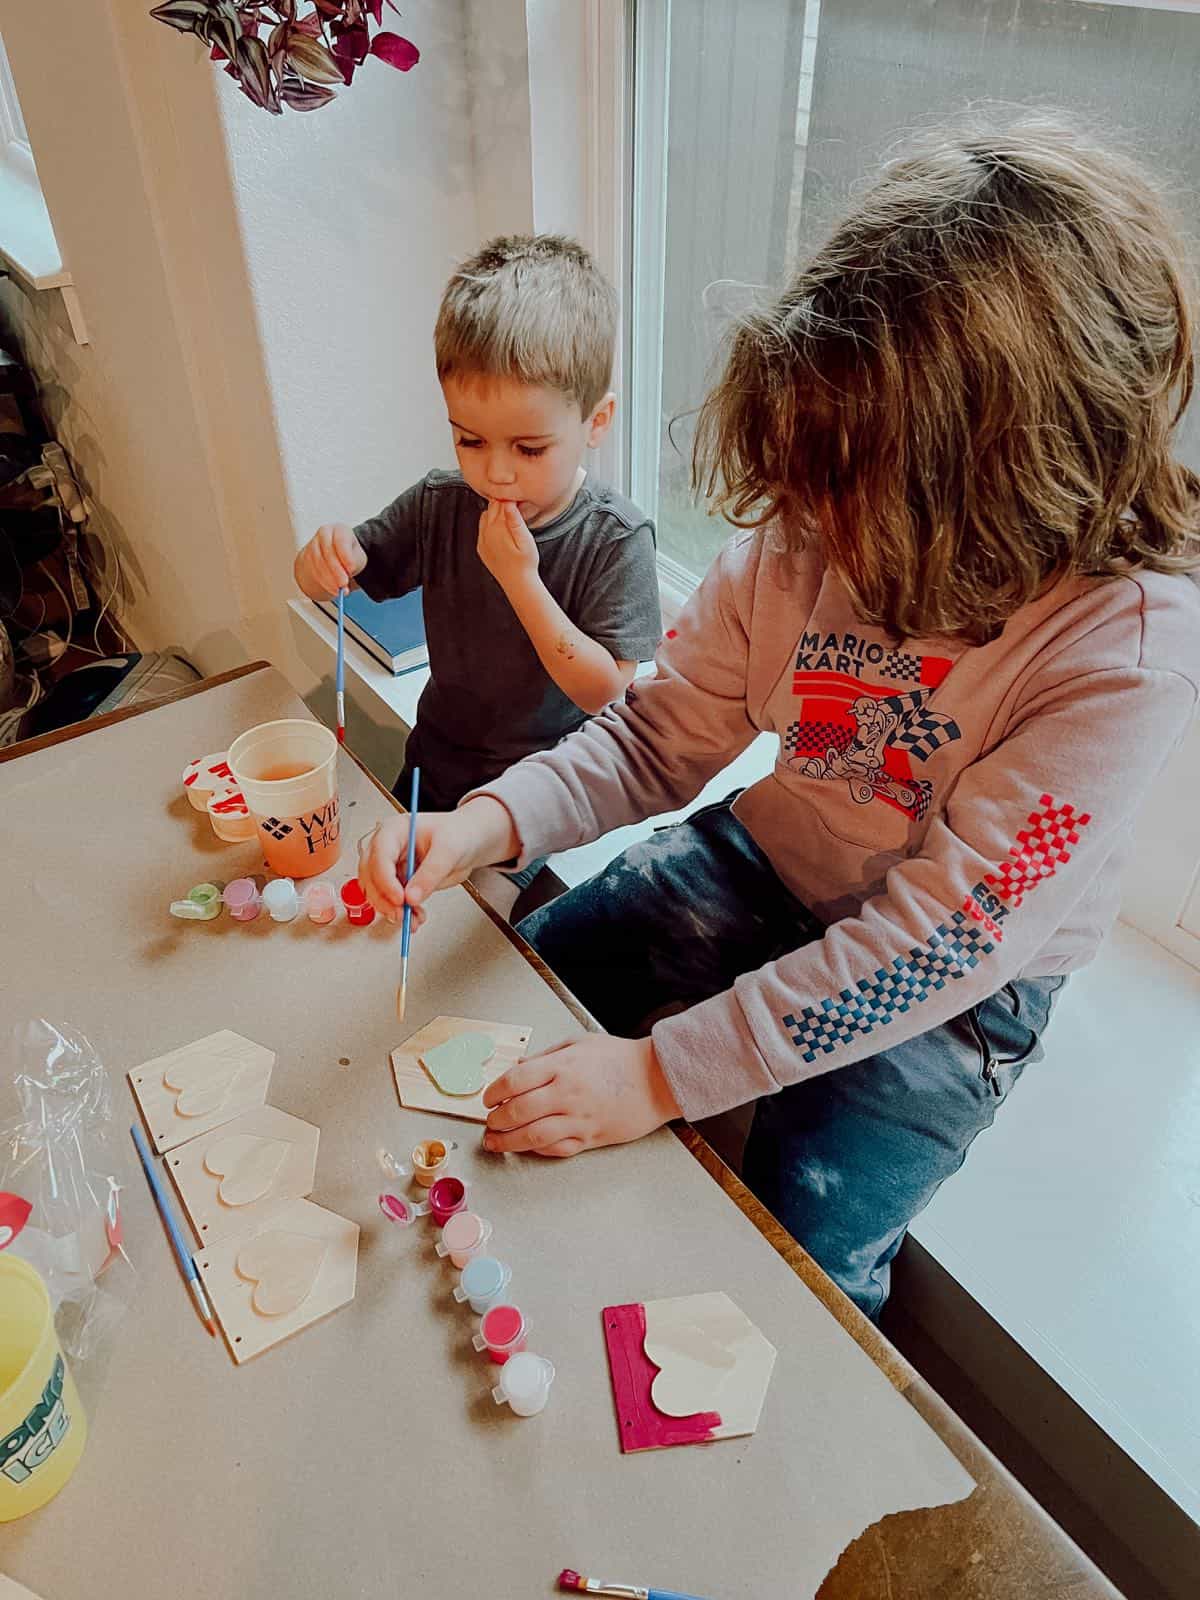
(341, 641)
(669, 1594)
(406, 924)
(164, 1205)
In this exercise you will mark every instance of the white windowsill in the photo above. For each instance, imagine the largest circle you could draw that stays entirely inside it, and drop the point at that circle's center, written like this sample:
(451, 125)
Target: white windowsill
(28, 247)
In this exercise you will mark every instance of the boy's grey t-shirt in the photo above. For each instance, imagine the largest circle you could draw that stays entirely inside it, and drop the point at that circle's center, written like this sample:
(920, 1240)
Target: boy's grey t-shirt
(489, 700)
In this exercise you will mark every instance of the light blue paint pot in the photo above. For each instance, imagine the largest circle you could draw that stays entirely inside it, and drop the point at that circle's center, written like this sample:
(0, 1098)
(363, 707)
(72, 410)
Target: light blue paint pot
(482, 1282)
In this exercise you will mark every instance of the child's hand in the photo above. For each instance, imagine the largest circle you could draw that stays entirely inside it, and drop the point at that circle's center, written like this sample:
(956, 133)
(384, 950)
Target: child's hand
(594, 1091)
(330, 561)
(506, 547)
(450, 845)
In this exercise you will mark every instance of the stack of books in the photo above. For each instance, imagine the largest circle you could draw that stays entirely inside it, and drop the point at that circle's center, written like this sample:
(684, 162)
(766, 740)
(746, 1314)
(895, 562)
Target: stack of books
(393, 631)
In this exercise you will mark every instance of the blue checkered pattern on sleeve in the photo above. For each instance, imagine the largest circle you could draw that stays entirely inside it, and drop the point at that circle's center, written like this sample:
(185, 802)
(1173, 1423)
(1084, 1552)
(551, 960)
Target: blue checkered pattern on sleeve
(951, 951)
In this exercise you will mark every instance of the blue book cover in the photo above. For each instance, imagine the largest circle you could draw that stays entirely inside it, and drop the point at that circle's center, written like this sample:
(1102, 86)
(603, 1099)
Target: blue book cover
(393, 631)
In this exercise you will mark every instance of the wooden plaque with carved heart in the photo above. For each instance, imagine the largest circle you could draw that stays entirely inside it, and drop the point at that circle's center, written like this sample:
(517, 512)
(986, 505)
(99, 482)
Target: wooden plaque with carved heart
(200, 1086)
(233, 1176)
(295, 1266)
(421, 1065)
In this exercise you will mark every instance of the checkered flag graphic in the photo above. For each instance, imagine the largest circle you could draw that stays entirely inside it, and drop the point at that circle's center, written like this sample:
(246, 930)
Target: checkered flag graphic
(276, 828)
(815, 738)
(951, 951)
(1042, 846)
(899, 664)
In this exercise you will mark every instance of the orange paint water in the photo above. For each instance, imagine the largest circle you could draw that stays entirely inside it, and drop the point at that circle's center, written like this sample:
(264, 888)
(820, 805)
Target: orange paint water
(300, 847)
(290, 769)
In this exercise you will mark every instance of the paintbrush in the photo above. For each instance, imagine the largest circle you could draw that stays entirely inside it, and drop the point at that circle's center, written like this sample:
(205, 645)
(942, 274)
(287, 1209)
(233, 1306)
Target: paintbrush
(341, 667)
(406, 923)
(182, 1254)
(567, 1579)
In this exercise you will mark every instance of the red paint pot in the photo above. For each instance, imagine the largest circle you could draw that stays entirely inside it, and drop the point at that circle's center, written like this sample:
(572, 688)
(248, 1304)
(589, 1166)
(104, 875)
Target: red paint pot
(447, 1196)
(501, 1333)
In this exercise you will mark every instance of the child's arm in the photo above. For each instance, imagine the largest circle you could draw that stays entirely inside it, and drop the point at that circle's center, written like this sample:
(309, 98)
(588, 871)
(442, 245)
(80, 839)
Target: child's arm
(336, 554)
(583, 669)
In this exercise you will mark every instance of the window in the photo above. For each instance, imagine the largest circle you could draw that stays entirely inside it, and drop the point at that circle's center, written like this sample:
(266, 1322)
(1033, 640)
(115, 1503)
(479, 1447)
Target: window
(753, 121)
(13, 135)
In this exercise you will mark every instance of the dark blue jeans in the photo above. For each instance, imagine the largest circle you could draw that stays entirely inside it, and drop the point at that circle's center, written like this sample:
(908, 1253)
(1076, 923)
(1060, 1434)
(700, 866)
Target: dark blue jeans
(844, 1160)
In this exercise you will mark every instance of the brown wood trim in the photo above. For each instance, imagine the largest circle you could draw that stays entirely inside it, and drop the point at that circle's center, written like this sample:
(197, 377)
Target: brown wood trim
(76, 730)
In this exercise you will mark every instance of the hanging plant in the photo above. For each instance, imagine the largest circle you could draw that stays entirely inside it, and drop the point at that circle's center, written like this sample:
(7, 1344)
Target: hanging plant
(282, 60)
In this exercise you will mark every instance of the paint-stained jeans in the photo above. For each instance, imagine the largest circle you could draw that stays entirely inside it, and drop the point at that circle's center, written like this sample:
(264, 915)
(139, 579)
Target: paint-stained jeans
(845, 1160)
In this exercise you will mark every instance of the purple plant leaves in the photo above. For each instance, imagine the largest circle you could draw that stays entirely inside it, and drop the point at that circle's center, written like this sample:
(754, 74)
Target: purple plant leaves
(254, 71)
(186, 16)
(310, 60)
(397, 52)
(304, 96)
(303, 58)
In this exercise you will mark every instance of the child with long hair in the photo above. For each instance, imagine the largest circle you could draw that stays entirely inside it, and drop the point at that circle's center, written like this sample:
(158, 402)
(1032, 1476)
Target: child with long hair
(960, 602)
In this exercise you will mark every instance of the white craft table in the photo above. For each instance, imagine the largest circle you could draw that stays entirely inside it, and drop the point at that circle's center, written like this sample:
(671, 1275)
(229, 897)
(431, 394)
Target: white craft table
(364, 1457)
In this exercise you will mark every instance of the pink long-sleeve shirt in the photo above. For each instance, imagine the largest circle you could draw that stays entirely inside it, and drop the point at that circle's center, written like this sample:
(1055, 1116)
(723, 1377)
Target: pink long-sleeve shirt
(958, 815)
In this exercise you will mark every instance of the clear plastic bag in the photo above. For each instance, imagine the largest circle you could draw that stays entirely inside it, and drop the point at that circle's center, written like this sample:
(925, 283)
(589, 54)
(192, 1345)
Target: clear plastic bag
(56, 1155)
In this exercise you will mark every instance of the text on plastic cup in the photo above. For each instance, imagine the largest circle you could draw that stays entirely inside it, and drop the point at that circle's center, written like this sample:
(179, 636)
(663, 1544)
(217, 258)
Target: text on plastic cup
(205, 776)
(242, 899)
(525, 1384)
(428, 1159)
(447, 1196)
(464, 1236)
(230, 816)
(483, 1281)
(501, 1333)
(359, 909)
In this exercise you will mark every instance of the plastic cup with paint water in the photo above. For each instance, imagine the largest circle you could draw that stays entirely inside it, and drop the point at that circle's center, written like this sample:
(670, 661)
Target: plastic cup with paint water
(446, 1197)
(401, 1211)
(242, 899)
(464, 1237)
(287, 771)
(429, 1160)
(206, 776)
(525, 1384)
(320, 902)
(42, 1425)
(501, 1333)
(280, 900)
(359, 909)
(230, 816)
(482, 1283)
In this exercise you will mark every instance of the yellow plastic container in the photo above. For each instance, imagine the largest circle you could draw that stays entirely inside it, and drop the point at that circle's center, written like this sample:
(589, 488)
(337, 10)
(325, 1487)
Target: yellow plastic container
(42, 1426)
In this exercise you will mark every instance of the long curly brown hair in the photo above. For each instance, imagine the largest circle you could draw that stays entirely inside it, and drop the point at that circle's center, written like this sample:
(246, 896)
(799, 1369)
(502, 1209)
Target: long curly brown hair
(972, 388)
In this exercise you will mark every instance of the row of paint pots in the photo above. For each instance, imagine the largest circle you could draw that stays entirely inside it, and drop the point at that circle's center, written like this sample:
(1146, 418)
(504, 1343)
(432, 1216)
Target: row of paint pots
(524, 1380)
(280, 899)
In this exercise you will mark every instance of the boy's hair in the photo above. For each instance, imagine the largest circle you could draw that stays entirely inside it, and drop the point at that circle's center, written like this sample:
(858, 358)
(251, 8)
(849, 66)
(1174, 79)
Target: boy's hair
(533, 308)
(971, 389)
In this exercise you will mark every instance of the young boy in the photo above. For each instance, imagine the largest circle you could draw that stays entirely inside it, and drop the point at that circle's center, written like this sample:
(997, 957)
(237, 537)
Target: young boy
(539, 584)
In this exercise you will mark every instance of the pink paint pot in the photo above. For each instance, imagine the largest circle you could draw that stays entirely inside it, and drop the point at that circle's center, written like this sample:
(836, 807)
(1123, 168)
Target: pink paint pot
(359, 909)
(447, 1197)
(401, 1211)
(242, 899)
(320, 902)
(463, 1238)
(501, 1333)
